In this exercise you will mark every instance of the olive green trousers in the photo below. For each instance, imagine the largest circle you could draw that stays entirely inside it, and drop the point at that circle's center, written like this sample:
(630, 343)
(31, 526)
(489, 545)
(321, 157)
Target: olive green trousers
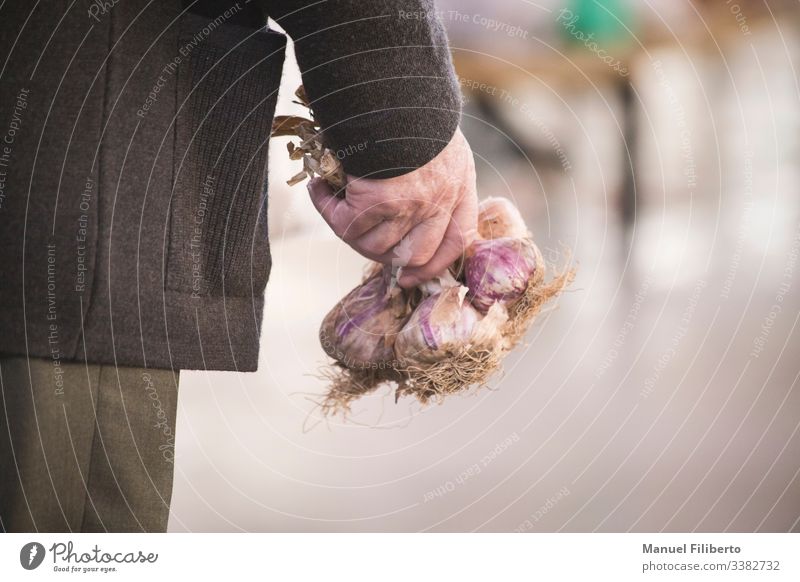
(85, 448)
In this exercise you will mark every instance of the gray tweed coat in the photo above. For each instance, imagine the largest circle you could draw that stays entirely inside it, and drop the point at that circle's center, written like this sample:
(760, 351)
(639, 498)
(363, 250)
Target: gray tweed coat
(133, 160)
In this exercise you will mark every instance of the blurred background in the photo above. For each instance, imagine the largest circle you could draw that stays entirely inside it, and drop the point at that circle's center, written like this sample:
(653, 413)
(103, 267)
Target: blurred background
(660, 142)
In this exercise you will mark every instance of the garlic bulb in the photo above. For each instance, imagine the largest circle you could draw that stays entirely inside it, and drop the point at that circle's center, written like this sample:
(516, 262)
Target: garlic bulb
(445, 325)
(500, 270)
(360, 331)
(440, 325)
(498, 217)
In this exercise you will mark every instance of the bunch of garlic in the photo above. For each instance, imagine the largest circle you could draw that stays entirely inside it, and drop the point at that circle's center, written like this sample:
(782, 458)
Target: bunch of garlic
(448, 334)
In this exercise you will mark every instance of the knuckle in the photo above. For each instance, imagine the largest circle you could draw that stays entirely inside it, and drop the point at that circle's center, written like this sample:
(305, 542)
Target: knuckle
(346, 234)
(382, 247)
(346, 231)
(420, 259)
(361, 250)
(402, 210)
(370, 250)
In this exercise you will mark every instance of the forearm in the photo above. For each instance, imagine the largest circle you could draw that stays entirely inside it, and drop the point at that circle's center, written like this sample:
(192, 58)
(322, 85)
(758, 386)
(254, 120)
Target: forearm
(379, 76)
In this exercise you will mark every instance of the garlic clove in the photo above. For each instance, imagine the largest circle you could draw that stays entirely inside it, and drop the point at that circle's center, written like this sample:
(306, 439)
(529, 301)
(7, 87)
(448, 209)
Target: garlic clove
(361, 329)
(442, 325)
(499, 218)
(499, 270)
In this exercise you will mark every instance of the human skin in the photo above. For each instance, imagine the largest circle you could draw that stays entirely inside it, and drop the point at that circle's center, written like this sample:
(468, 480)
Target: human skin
(432, 211)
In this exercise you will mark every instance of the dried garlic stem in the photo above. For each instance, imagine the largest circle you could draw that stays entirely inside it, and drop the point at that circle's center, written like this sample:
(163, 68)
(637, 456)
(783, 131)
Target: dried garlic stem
(317, 159)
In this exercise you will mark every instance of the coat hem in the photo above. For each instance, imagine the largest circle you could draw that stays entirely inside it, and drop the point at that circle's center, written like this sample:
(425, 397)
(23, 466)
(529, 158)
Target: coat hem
(223, 336)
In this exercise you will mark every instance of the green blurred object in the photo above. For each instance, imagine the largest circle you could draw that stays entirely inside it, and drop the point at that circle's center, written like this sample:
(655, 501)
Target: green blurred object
(604, 21)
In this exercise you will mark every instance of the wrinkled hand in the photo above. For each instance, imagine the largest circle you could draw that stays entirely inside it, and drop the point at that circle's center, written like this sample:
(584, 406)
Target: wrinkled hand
(421, 221)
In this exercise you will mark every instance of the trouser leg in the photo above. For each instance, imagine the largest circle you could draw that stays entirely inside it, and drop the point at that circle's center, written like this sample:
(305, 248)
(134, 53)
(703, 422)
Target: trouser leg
(85, 447)
(132, 460)
(46, 418)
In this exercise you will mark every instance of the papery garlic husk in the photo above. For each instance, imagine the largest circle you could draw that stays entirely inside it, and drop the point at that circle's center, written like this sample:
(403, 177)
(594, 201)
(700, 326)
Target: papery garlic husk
(501, 270)
(499, 218)
(360, 330)
(440, 326)
(359, 333)
(447, 346)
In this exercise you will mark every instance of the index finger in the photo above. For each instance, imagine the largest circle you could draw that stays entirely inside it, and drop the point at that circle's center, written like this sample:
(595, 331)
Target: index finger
(346, 221)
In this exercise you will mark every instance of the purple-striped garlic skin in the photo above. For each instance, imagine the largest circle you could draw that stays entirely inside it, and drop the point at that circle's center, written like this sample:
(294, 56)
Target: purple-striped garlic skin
(360, 331)
(499, 270)
(441, 325)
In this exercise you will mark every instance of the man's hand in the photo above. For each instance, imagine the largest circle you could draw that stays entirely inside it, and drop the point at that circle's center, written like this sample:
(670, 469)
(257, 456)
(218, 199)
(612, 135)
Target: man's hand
(421, 221)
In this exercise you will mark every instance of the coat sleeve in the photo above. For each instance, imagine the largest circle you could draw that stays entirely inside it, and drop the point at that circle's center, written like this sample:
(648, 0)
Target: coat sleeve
(379, 76)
